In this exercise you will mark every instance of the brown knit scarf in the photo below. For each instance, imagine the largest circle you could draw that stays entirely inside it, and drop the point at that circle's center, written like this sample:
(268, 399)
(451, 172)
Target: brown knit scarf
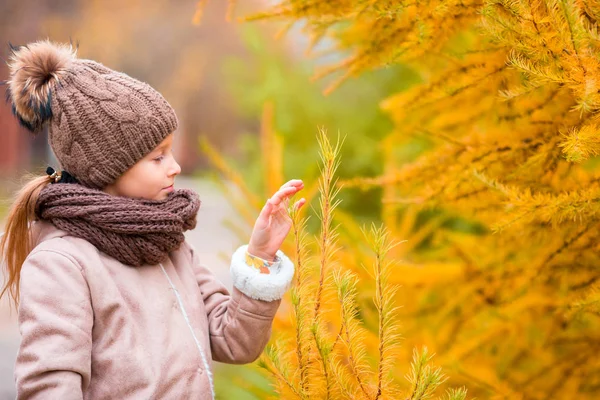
(134, 231)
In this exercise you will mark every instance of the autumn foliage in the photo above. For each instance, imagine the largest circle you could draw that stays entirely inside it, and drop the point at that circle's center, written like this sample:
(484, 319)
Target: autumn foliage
(499, 272)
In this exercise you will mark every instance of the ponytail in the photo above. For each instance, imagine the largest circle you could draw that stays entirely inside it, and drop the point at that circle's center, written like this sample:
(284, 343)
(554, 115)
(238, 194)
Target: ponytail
(16, 243)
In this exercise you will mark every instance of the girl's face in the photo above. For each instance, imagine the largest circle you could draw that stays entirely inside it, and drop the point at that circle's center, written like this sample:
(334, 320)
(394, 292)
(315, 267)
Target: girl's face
(152, 177)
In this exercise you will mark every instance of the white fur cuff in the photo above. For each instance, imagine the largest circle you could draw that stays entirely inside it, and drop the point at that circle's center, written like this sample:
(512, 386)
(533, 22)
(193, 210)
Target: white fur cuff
(252, 283)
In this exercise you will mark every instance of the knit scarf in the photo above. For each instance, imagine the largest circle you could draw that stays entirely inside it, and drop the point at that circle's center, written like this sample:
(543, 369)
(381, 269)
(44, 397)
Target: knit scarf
(133, 231)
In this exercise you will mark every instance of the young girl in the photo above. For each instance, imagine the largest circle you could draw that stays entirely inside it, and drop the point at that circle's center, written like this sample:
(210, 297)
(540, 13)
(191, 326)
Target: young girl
(113, 303)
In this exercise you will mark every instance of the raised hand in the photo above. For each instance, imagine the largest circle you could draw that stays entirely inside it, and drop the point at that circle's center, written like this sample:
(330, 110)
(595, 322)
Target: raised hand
(273, 223)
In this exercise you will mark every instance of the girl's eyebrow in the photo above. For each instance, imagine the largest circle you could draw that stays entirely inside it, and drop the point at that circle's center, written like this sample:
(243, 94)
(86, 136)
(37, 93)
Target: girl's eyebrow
(161, 147)
(157, 150)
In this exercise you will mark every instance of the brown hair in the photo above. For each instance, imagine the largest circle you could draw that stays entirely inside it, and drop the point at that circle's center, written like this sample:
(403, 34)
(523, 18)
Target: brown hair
(16, 242)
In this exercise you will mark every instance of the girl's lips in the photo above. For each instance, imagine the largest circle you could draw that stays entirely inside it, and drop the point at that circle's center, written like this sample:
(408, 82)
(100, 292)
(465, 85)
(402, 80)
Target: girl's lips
(169, 188)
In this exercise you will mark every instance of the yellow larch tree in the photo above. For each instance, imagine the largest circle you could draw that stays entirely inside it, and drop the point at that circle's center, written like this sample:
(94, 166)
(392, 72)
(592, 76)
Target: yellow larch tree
(499, 270)
(509, 101)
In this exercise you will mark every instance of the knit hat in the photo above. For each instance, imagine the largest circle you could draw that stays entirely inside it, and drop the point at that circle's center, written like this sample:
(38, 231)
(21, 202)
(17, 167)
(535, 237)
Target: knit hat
(101, 122)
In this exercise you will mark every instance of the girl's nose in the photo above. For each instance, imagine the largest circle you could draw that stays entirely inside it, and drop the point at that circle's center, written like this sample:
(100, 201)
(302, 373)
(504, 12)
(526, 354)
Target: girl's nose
(175, 169)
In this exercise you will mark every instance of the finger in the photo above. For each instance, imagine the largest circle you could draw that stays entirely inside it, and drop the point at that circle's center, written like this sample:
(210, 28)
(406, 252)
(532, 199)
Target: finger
(286, 203)
(285, 193)
(265, 213)
(296, 184)
(268, 208)
(282, 194)
(298, 205)
(292, 183)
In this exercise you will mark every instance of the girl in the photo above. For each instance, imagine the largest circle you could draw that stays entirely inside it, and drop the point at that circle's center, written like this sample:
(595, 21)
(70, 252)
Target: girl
(113, 302)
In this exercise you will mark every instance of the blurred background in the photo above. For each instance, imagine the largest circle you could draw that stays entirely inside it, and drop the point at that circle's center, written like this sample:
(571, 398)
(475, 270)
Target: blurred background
(488, 171)
(220, 77)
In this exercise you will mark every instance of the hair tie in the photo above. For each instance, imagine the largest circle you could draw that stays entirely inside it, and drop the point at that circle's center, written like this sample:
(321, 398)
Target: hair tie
(60, 177)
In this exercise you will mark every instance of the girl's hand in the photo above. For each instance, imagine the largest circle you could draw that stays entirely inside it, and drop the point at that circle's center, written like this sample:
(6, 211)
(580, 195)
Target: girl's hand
(274, 223)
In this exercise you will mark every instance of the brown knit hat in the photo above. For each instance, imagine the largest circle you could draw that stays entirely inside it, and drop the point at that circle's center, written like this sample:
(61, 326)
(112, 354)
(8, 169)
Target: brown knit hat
(101, 122)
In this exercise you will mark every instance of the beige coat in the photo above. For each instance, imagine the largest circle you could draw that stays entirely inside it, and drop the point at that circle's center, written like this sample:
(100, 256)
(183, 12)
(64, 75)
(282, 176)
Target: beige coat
(94, 328)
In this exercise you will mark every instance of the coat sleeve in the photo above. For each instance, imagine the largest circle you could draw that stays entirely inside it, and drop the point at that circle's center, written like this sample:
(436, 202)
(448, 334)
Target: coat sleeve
(55, 321)
(240, 322)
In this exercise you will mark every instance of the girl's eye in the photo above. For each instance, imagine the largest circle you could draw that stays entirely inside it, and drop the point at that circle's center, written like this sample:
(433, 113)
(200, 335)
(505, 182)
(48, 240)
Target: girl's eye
(159, 158)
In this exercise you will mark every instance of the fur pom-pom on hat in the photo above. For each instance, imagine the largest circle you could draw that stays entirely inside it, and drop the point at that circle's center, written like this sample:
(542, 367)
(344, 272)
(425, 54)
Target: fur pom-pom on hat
(34, 68)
